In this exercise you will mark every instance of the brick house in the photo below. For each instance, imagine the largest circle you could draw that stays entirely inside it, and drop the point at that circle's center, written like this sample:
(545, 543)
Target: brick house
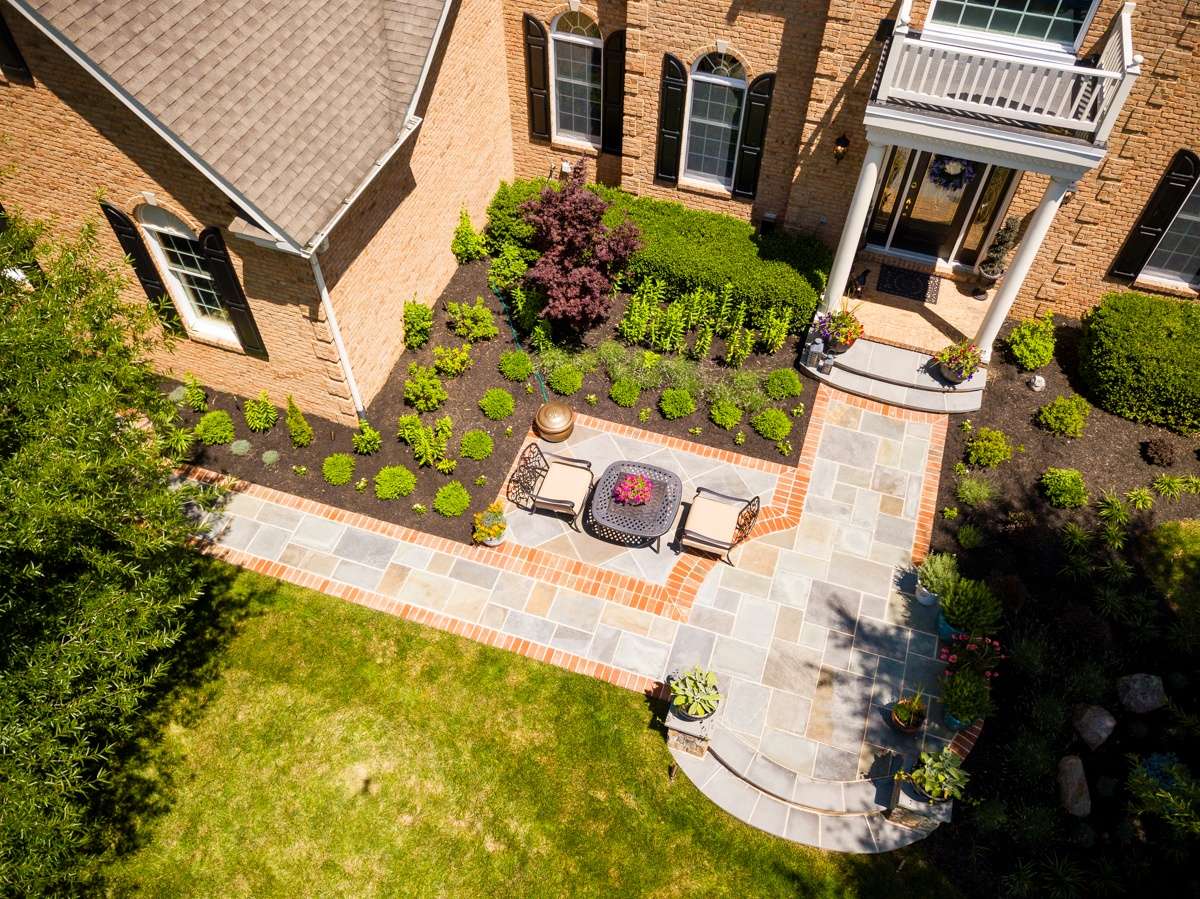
(317, 161)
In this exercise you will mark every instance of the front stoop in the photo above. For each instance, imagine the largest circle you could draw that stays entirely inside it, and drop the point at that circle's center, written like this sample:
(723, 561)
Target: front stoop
(900, 377)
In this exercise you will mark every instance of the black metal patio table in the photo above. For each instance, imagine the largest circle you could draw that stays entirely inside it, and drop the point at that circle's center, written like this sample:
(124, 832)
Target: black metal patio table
(630, 524)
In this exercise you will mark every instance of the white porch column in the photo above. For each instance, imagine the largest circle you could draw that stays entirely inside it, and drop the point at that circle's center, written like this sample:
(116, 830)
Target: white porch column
(1022, 260)
(856, 219)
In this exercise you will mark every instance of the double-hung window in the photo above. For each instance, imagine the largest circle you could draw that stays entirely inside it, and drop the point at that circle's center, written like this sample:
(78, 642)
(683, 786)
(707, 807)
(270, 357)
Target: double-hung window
(578, 50)
(1060, 22)
(1177, 256)
(715, 105)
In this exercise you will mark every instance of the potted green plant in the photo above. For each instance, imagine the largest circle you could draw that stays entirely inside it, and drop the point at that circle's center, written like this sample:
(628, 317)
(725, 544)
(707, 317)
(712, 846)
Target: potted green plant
(908, 714)
(995, 260)
(959, 361)
(490, 525)
(938, 778)
(838, 330)
(694, 694)
(966, 697)
(936, 576)
(969, 607)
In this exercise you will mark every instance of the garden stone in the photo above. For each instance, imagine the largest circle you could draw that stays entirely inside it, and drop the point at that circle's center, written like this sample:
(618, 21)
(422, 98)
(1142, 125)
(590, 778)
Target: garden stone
(1094, 724)
(1141, 693)
(1072, 787)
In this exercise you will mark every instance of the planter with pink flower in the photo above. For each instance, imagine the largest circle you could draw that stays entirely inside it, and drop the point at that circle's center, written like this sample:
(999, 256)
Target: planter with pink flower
(633, 490)
(959, 361)
(838, 330)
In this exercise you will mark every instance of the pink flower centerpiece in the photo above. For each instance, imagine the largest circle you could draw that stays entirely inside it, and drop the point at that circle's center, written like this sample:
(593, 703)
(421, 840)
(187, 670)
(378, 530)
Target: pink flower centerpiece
(632, 490)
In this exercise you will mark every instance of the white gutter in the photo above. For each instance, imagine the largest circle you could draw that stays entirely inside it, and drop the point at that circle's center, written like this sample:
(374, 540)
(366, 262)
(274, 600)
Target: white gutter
(411, 123)
(339, 344)
(68, 47)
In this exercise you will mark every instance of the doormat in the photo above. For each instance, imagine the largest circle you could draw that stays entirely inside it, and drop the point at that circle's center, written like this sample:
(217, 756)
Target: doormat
(904, 282)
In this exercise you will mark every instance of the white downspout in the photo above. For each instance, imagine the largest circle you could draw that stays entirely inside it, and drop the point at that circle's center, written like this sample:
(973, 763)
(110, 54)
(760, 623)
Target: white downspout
(339, 344)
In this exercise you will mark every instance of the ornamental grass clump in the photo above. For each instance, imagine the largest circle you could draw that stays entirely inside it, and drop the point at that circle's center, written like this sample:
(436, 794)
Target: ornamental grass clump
(260, 415)
(393, 482)
(1066, 416)
(694, 692)
(338, 469)
(1064, 488)
(973, 491)
(772, 424)
(675, 403)
(497, 403)
(451, 500)
(215, 428)
(971, 607)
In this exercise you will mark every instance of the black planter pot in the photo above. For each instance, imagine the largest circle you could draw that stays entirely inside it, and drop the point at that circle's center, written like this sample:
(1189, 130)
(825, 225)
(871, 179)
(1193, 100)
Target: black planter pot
(950, 374)
(836, 349)
(679, 713)
(927, 797)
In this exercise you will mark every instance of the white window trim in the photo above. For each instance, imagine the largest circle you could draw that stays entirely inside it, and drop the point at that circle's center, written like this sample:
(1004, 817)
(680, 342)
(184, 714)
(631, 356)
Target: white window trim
(979, 39)
(557, 136)
(700, 180)
(197, 325)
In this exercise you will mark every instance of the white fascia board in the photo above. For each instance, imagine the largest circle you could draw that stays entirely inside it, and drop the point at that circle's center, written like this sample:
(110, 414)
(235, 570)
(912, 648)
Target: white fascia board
(972, 139)
(284, 240)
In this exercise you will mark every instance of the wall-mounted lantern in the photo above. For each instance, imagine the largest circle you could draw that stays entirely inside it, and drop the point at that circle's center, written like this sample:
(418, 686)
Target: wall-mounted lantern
(840, 146)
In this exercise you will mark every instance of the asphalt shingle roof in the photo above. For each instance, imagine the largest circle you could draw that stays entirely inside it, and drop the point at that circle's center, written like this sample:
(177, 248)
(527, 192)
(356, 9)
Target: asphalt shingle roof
(290, 101)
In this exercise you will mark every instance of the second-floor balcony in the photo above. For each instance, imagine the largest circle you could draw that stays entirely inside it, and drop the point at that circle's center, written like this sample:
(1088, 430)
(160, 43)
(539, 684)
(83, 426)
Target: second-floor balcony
(1076, 99)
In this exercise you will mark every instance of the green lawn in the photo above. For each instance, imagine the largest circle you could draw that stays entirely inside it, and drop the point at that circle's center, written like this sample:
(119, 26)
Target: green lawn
(328, 750)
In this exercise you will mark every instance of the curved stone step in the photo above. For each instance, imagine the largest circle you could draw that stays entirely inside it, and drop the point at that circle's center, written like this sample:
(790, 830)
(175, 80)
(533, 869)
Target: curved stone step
(941, 402)
(906, 368)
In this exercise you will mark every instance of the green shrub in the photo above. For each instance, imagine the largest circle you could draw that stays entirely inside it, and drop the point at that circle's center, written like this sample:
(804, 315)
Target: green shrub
(338, 468)
(967, 696)
(467, 243)
(215, 428)
(194, 396)
(423, 390)
(299, 430)
(1139, 358)
(565, 379)
(394, 481)
(475, 444)
(240, 447)
(366, 439)
(1065, 416)
(625, 393)
(772, 424)
(725, 414)
(515, 365)
(969, 536)
(972, 607)
(988, 448)
(507, 271)
(497, 403)
(1171, 558)
(973, 491)
(260, 415)
(428, 442)
(452, 361)
(418, 324)
(783, 383)
(1031, 343)
(472, 323)
(1064, 488)
(506, 225)
(270, 457)
(676, 402)
(451, 500)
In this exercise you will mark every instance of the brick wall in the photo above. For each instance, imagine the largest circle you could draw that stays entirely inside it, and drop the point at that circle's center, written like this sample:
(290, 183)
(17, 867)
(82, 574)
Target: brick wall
(67, 140)
(394, 244)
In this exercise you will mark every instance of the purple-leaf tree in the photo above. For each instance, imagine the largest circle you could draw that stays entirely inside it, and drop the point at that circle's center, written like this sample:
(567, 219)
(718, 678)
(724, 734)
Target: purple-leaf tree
(580, 254)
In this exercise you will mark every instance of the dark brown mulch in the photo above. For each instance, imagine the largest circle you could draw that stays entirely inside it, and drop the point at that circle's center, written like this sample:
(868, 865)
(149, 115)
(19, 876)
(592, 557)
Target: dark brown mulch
(1109, 454)
(462, 406)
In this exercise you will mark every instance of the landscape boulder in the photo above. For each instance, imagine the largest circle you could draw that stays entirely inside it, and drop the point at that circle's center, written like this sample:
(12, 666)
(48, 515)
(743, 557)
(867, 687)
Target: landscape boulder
(1141, 693)
(1094, 724)
(1072, 787)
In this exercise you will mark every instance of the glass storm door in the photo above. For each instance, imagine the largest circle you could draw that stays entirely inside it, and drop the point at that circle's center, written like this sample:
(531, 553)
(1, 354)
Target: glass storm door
(940, 193)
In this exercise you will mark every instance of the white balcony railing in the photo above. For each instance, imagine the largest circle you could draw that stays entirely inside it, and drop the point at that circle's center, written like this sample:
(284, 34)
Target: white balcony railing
(1011, 87)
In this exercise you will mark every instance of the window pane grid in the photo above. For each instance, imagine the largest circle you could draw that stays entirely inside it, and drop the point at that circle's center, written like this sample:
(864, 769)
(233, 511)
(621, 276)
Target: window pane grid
(713, 130)
(577, 89)
(185, 260)
(1177, 255)
(1053, 20)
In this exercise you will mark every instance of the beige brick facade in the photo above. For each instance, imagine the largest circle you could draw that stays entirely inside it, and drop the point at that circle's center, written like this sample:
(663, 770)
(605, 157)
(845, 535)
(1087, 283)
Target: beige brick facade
(394, 244)
(68, 141)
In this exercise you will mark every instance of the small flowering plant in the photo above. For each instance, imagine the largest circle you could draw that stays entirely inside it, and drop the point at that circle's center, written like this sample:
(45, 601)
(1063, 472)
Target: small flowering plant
(633, 490)
(961, 359)
(490, 524)
(966, 653)
(841, 327)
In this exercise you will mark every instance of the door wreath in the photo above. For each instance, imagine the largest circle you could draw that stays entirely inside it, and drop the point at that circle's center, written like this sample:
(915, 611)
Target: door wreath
(951, 173)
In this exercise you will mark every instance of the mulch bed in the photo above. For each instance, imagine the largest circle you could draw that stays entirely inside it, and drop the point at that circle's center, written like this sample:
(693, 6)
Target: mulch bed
(462, 406)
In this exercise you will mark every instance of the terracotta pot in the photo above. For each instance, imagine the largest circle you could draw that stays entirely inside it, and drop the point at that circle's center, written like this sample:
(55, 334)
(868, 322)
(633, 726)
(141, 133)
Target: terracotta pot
(909, 729)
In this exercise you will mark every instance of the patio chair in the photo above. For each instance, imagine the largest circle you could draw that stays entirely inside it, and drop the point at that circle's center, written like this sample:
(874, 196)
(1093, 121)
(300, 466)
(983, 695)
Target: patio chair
(717, 522)
(549, 481)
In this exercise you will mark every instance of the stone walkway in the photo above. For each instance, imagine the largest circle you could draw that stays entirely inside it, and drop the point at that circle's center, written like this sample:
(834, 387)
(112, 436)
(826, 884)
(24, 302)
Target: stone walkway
(813, 633)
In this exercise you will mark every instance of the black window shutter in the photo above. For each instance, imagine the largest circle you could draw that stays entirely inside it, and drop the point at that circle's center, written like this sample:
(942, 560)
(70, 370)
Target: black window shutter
(131, 242)
(612, 118)
(11, 59)
(220, 266)
(671, 102)
(537, 77)
(754, 136)
(1170, 195)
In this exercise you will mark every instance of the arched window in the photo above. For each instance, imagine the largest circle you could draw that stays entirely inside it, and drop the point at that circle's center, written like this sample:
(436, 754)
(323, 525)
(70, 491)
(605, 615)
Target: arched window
(576, 62)
(716, 103)
(181, 261)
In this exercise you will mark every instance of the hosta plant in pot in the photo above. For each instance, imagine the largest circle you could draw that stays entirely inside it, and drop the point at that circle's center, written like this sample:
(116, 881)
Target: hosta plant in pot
(969, 607)
(966, 697)
(838, 330)
(938, 777)
(959, 361)
(936, 576)
(908, 713)
(694, 693)
(490, 525)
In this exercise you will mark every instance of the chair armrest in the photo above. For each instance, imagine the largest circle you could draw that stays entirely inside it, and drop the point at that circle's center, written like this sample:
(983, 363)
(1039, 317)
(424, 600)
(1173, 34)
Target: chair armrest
(709, 541)
(740, 500)
(565, 505)
(578, 463)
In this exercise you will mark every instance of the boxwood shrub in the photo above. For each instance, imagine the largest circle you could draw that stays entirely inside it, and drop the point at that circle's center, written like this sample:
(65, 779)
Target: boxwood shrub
(1065, 488)
(676, 402)
(625, 392)
(451, 500)
(394, 481)
(515, 365)
(497, 403)
(1139, 359)
(773, 424)
(338, 468)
